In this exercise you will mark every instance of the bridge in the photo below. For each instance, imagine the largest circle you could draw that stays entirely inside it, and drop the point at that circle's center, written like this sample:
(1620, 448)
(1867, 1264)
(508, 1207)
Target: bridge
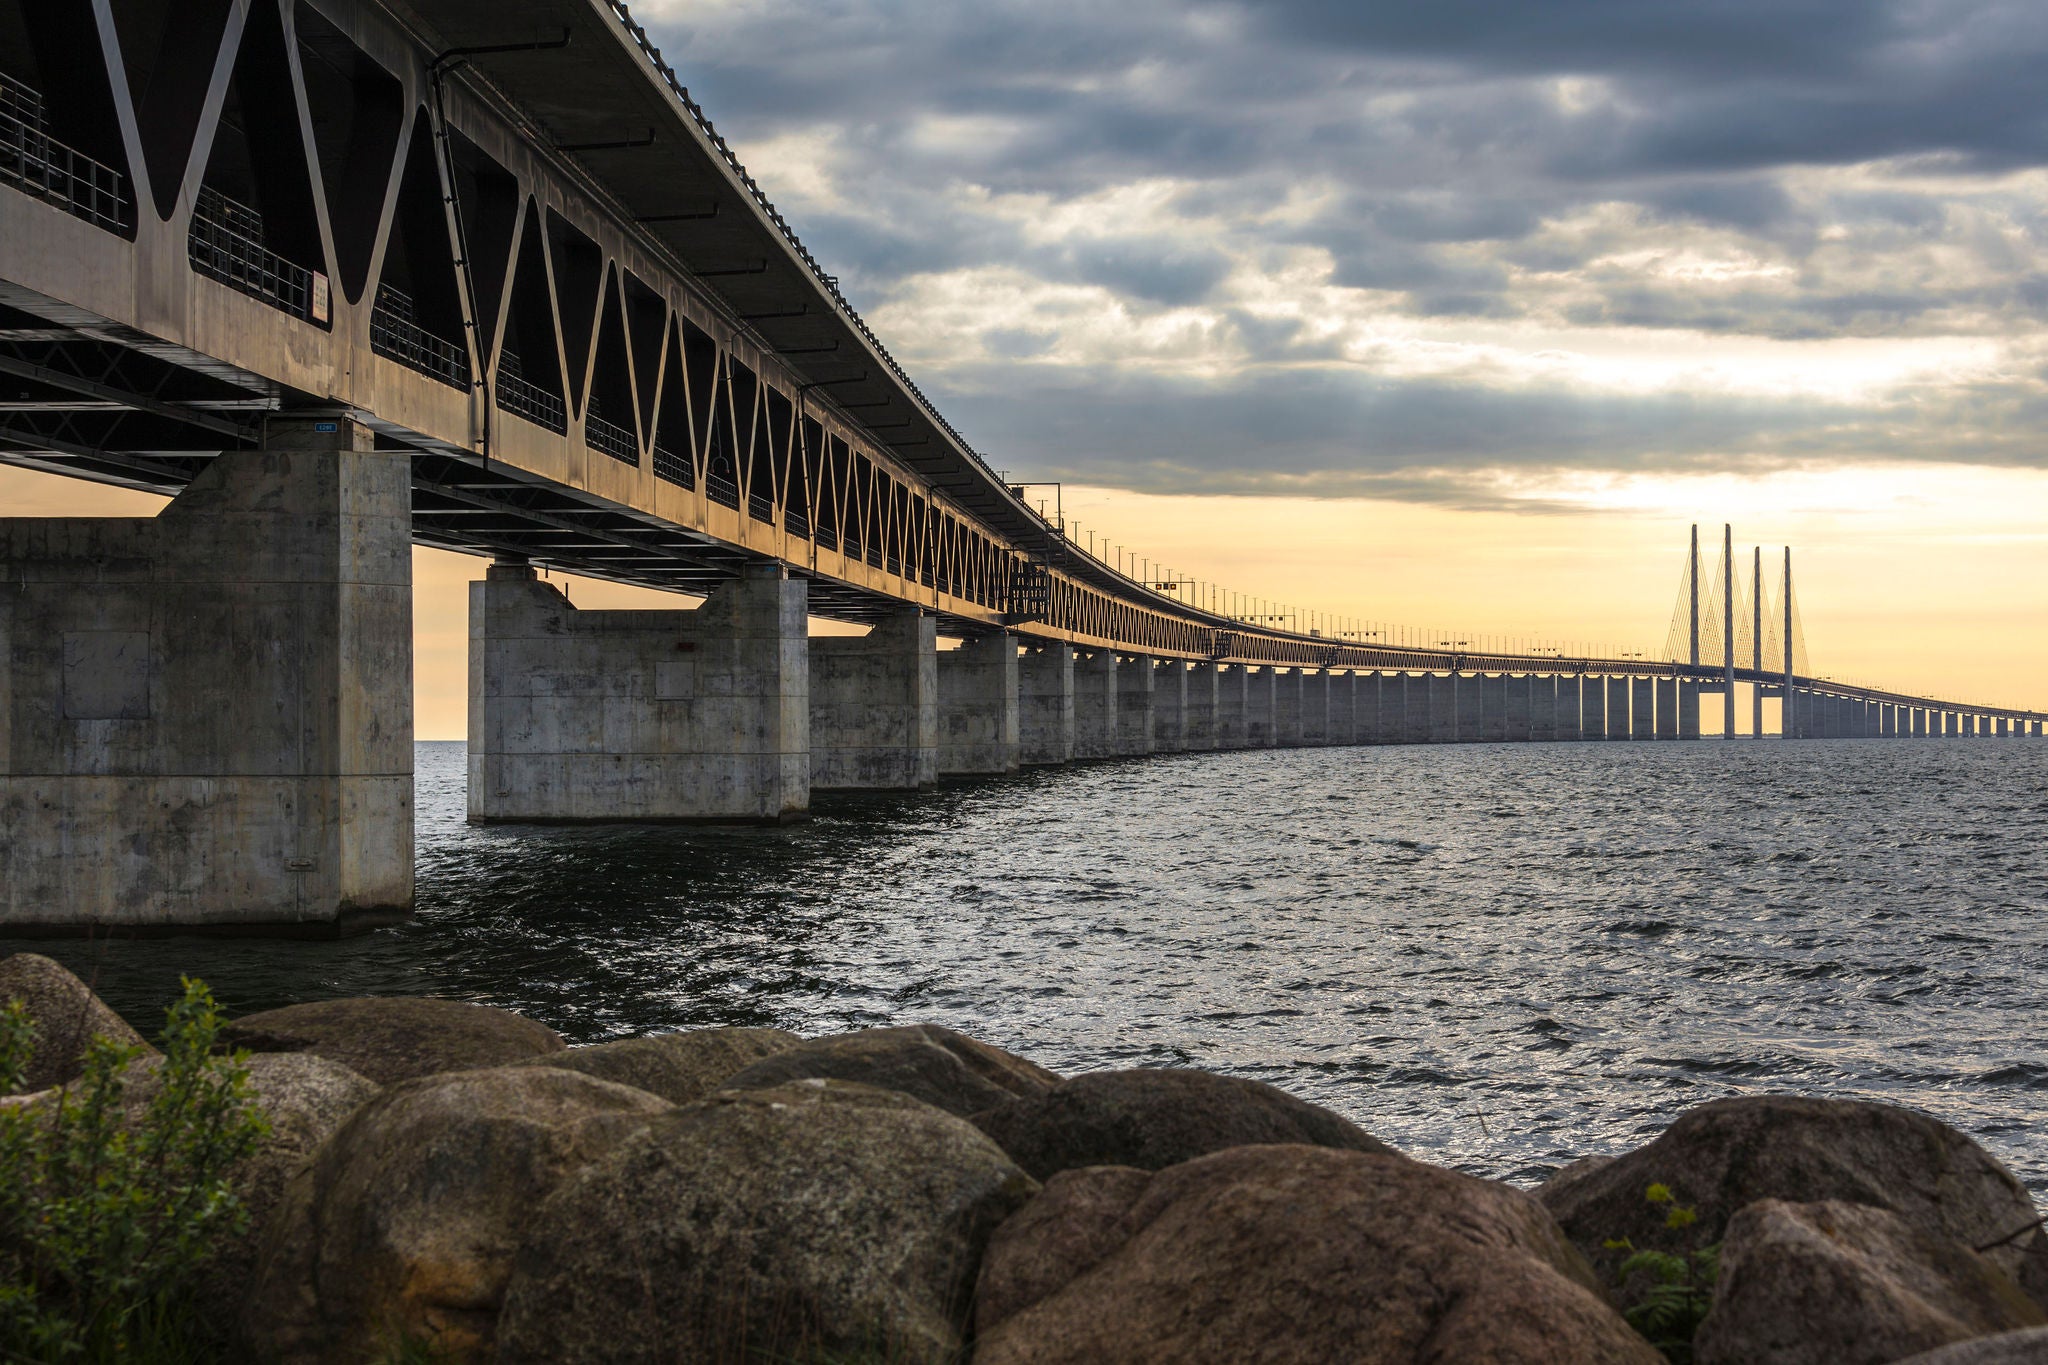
(339, 276)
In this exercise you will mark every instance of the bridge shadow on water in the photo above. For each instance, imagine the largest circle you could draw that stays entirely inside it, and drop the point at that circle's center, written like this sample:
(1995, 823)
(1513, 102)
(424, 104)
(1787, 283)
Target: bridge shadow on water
(1497, 956)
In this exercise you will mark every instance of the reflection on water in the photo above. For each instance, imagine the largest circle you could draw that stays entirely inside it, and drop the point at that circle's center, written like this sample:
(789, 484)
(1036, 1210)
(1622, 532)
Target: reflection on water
(1494, 956)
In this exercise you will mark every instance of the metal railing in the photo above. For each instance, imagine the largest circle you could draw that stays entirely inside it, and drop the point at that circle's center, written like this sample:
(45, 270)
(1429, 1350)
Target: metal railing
(396, 336)
(670, 467)
(227, 245)
(608, 437)
(34, 162)
(761, 508)
(530, 401)
(720, 487)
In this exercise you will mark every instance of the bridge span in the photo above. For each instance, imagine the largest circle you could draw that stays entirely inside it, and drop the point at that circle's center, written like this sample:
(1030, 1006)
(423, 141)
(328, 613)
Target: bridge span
(344, 275)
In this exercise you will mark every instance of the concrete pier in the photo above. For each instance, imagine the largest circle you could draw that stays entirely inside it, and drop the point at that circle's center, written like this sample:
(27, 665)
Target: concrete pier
(1493, 707)
(1199, 724)
(1418, 693)
(582, 716)
(1344, 692)
(980, 695)
(1261, 703)
(1045, 705)
(1470, 723)
(1289, 684)
(1592, 708)
(1617, 708)
(1443, 707)
(1095, 704)
(1521, 724)
(1543, 704)
(1135, 678)
(875, 707)
(1233, 700)
(1688, 709)
(206, 715)
(1667, 708)
(1313, 719)
(1170, 707)
(1642, 722)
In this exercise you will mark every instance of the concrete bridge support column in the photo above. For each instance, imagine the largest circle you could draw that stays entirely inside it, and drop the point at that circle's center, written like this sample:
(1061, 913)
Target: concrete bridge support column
(1617, 708)
(1443, 707)
(1199, 723)
(1135, 678)
(980, 732)
(1315, 708)
(1418, 695)
(1688, 709)
(1919, 714)
(1592, 707)
(1370, 708)
(586, 716)
(1344, 694)
(1642, 708)
(875, 707)
(1471, 707)
(1520, 725)
(1288, 686)
(206, 715)
(1667, 708)
(1493, 707)
(1045, 705)
(1543, 704)
(1233, 701)
(1261, 707)
(1095, 704)
(1169, 707)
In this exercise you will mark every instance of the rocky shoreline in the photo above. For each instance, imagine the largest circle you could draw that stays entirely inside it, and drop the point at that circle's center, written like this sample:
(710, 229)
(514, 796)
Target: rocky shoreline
(451, 1182)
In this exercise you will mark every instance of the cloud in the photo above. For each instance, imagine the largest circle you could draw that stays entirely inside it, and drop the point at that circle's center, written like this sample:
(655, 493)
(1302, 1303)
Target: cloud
(1297, 246)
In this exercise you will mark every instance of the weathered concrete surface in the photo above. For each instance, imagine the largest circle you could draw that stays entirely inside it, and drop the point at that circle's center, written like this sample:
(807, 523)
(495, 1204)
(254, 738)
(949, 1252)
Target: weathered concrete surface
(1313, 719)
(875, 707)
(980, 727)
(1469, 707)
(1667, 708)
(1287, 700)
(1418, 690)
(1199, 723)
(1493, 706)
(1045, 715)
(1688, 709)
(1543, 707)
(1095, 704)
(1642, 709)
(1135, 679)
(638, 715)
(206, 715)
(1170, 707)
(1260, 706)
(1233, 700)
(1519, 724)
(1592, 708)
(1344, 691)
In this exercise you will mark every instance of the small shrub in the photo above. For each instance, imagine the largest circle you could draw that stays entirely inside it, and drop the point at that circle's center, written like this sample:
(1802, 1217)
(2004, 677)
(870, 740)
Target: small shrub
(1672, 1290)
(106, 1215)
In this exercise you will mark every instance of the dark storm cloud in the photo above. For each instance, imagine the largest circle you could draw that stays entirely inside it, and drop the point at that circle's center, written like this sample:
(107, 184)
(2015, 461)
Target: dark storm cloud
(1472, 162)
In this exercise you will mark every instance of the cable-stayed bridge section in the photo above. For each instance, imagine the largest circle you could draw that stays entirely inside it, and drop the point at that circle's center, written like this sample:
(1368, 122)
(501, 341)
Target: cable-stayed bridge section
(344, 275)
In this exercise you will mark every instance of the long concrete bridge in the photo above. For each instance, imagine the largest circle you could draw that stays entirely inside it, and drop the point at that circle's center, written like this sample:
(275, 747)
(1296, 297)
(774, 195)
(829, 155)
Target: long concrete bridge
(344, 275)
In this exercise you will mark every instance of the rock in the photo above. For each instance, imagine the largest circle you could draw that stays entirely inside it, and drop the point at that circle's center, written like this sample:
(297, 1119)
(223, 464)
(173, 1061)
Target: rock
(1835, 1283)
(934, 1064)
(804, 1221)
(1723, 1155)
(395, 1038)
(1152, 1119)
(403, 1228)
(1291, 1255)
(66, 1015)
(306, 1100)
(2029, 1347)
(679, 1067)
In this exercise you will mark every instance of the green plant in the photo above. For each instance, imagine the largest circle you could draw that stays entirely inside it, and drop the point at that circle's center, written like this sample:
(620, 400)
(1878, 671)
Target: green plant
(108, 1209)
(1673, 1289)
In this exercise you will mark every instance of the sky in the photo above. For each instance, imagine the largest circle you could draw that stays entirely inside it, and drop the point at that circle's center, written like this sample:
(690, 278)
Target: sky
(1456, 315)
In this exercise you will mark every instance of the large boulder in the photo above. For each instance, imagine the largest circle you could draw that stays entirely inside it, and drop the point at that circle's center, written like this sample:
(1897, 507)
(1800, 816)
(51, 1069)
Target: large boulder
(1834, 1283)
(1291, 1255)
(402, 1230)
(64, 1014)
(1730, 1153)
(305, 1100)
(679, 1067)
(933, 1064)
(395, 1038)
(2028, 1347)
(1152, 1119)
(815, 1220)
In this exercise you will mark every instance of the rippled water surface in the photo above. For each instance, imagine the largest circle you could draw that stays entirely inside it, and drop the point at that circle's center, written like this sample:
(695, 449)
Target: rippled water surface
(1495, 956)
